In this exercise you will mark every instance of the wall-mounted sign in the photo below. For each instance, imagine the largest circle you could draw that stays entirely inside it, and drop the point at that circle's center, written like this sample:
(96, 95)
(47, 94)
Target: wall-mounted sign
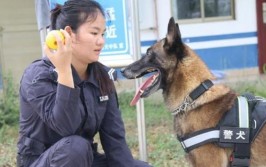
(116, 51)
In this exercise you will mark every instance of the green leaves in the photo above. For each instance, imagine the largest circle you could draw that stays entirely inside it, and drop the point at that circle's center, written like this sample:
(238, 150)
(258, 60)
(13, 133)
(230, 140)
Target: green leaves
(9, 102)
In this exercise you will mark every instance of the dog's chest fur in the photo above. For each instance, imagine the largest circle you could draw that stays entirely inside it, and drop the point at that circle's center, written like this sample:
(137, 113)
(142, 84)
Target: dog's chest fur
(203, 117)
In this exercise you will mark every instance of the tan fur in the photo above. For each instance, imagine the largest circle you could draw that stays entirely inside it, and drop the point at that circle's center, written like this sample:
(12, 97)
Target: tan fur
(183, 71)
(186, 78)
(207, 112)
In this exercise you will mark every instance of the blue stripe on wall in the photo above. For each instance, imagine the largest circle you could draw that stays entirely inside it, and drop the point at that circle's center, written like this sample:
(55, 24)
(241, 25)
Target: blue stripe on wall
(209, 38)
(224, 58)
(220, 37)
(147, 43)
(234, 57)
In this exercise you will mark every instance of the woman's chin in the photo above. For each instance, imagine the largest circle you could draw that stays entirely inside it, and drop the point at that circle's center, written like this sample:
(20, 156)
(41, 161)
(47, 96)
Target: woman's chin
(92, 60)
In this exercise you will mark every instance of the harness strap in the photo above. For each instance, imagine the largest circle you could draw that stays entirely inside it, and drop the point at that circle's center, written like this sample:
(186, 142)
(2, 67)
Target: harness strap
(243, 114)
(241, 154)
(199, 138)
(239, 136)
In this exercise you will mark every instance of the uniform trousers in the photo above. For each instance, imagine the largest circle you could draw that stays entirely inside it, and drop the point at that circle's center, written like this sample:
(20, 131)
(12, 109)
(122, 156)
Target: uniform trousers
(72, 151)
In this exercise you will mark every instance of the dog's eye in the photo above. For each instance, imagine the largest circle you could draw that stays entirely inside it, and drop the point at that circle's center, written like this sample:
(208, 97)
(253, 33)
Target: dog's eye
(149, 53)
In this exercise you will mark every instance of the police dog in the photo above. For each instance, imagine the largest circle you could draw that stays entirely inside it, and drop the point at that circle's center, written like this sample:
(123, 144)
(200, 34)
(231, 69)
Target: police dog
(180, 73)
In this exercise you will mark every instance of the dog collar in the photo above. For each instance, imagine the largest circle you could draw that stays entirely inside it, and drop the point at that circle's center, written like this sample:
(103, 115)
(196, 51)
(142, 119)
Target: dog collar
(203, 87)
(189, 100)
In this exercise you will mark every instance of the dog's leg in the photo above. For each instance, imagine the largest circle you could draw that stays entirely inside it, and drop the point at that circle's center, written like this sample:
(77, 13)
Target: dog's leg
(209, 155)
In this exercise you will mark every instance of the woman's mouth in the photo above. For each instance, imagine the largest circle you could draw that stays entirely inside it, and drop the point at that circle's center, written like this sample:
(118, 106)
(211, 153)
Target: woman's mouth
(97, 51)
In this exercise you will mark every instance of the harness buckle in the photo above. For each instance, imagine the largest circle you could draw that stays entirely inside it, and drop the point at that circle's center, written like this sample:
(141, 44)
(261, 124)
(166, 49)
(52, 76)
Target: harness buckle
(239, 161)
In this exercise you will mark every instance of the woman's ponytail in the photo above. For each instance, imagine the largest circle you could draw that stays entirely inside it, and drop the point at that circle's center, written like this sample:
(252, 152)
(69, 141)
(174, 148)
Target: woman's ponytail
(54, 15)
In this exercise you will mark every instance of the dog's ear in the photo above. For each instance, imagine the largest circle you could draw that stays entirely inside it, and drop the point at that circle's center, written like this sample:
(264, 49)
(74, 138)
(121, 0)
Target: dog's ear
(178, 31)
(173, 31)
(173, 41)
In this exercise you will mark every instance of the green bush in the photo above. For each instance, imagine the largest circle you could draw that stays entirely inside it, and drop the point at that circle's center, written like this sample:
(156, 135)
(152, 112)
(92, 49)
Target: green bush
(255, 87)
(9, 102)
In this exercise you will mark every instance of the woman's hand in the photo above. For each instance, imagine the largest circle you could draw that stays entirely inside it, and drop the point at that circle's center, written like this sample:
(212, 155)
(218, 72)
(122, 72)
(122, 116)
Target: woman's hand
(61, 59)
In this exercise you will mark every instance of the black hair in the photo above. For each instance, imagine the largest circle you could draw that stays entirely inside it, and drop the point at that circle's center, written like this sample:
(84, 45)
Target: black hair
(102, 76)
(73, 14)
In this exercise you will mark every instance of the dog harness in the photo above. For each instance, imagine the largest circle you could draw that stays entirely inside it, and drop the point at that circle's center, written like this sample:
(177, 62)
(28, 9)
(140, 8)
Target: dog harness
(237, 129)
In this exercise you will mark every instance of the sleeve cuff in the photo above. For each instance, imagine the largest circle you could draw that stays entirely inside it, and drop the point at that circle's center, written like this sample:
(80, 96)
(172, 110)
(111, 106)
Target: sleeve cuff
(65, 92)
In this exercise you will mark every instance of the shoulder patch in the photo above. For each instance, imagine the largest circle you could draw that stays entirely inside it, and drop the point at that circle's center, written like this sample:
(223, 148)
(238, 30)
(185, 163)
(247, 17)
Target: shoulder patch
(112, 74)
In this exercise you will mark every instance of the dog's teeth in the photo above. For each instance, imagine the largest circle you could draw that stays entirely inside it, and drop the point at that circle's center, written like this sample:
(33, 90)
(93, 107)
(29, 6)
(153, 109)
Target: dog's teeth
(154, 77)
(150, 70)
(141, 91)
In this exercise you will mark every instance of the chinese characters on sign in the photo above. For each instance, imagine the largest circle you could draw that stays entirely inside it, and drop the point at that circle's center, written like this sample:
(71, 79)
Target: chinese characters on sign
(116, 35)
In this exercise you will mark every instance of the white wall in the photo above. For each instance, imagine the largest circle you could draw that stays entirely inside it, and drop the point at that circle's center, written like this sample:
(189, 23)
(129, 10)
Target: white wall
(245, 22)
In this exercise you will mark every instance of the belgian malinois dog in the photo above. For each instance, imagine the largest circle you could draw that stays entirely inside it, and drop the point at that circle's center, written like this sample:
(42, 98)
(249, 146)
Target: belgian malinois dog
(191, 96)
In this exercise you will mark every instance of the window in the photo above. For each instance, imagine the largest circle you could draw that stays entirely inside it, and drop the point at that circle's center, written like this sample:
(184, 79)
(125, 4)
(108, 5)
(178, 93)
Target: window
(202, 10)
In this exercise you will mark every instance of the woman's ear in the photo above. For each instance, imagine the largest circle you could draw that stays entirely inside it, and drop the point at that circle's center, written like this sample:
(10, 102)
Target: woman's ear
(69, 30)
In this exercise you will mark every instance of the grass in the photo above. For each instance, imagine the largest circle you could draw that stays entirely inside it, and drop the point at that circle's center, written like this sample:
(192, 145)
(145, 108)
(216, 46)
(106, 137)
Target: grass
(257, 87)
(163, 148)
(8, 140)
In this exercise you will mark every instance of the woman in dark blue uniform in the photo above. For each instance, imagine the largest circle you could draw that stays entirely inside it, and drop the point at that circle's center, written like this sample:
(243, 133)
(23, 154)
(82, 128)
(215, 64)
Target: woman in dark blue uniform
(68, 97)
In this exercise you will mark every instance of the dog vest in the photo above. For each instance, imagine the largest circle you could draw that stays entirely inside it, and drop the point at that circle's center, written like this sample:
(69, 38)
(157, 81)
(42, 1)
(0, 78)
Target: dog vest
(237, 129)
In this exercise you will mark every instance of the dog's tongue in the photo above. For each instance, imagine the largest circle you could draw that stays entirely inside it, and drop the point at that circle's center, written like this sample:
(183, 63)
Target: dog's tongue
(141, 89)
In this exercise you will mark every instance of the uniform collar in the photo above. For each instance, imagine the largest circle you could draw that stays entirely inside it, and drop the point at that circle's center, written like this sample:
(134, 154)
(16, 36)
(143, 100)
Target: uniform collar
(91, 79)
(77, 80)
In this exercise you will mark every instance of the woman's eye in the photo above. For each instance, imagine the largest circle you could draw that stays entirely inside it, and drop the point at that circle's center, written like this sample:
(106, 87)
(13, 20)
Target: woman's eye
(94, 33)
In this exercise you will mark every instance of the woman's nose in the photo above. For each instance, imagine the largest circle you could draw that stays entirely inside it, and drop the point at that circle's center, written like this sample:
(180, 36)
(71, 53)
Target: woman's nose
(101, 41)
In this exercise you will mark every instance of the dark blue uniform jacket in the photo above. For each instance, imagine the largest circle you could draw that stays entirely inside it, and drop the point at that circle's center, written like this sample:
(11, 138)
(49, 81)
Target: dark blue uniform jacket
(50, 111)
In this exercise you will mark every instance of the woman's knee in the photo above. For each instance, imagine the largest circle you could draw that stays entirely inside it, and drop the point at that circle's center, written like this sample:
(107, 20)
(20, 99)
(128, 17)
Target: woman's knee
(73, 150)
(78, 146)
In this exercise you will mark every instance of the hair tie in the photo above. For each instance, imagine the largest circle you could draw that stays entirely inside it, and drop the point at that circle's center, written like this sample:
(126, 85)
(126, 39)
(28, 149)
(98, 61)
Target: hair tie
(55, 3)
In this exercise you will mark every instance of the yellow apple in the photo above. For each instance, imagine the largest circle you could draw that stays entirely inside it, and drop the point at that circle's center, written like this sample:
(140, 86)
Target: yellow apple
(51, 40)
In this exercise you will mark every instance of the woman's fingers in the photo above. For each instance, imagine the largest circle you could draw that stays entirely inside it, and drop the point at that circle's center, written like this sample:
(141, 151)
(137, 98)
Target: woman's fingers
(67, 40)
(47, 50)
(59, 40)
